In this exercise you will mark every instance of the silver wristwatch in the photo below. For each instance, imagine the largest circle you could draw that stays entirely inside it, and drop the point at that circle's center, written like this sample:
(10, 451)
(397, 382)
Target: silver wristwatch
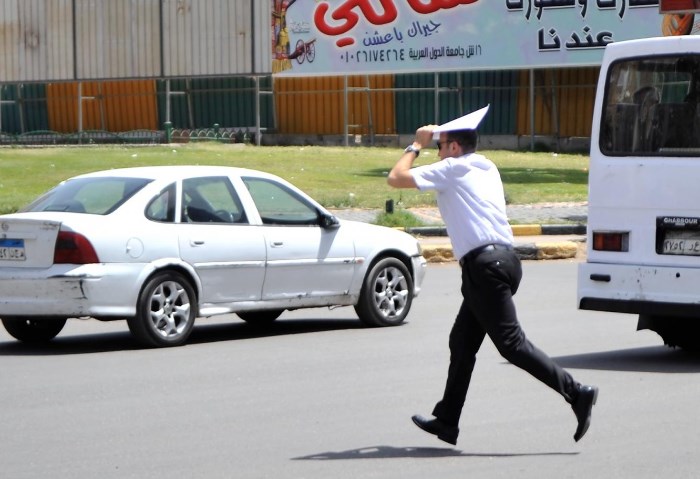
(411, 148)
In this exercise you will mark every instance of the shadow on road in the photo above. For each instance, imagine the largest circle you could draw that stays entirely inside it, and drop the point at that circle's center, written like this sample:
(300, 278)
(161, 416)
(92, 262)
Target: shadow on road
(390, 452)
(656, 359)
(201, 334)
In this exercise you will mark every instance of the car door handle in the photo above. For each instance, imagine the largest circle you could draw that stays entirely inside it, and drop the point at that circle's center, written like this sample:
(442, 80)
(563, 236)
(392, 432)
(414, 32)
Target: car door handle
(196, 242)
(277, 244)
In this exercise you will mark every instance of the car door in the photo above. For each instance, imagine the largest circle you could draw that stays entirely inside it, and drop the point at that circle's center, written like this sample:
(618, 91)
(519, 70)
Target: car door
(218, 241)
(305, 261)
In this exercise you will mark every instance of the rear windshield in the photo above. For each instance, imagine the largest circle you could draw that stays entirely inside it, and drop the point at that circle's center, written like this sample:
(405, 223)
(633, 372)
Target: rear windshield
(651, 107)
(99, 196)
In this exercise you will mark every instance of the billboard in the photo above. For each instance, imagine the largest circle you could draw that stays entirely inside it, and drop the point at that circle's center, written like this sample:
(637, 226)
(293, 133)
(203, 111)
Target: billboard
(328, 37)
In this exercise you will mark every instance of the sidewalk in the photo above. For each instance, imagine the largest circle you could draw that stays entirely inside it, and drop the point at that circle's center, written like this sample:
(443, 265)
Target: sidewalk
(542, 231)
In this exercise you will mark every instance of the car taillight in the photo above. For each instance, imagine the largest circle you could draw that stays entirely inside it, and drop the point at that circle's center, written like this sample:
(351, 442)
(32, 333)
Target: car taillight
(611, 241)
(73, 248)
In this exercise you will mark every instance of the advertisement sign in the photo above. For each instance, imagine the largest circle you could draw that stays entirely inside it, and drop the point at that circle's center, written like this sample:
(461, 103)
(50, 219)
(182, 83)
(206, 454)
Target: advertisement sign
(339, 37)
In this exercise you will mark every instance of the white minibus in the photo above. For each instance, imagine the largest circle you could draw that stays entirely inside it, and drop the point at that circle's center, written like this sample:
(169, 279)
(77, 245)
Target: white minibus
(643, 234)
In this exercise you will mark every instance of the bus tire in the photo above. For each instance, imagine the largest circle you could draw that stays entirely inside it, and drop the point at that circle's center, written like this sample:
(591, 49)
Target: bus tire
(676, 332)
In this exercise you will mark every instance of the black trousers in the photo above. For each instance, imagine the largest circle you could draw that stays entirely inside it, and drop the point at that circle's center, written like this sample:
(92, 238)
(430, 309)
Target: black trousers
(489, 282)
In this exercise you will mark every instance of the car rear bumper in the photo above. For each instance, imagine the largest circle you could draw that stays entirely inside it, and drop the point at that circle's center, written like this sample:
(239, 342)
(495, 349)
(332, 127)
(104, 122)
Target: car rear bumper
(70, 291)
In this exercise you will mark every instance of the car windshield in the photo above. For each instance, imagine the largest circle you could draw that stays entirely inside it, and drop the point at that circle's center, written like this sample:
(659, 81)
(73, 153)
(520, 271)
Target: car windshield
(97, 195)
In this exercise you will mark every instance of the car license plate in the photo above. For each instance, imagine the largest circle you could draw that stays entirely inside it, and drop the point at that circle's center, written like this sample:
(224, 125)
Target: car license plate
(681, 243)
(12, 250)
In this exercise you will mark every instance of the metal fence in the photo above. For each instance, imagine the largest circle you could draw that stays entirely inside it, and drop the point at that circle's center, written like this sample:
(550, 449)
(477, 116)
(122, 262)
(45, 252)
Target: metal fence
(557, 103)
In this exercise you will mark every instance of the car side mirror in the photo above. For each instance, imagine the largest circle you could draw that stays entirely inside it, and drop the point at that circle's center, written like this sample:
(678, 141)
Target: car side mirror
(328, 221)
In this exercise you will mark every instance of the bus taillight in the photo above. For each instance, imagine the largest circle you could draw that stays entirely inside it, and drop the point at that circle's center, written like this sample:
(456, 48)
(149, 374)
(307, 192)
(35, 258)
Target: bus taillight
(611, 240)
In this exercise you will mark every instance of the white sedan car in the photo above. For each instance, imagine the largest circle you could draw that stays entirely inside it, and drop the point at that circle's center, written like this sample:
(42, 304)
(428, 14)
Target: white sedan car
(161, 246)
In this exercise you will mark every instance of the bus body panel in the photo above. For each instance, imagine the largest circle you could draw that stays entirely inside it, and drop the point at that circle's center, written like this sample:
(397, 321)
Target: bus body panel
(636, 289)
(628, 206)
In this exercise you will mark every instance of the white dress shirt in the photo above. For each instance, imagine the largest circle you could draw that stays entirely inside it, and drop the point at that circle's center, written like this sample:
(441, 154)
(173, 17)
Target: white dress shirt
(470, 198)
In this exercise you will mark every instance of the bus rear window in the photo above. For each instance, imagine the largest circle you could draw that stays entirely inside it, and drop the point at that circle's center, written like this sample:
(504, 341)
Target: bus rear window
(651, 107)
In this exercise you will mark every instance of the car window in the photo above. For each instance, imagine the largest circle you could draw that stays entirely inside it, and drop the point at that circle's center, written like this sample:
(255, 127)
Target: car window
(162, 207)
(211, 200)
(96, 195)
(279, 205)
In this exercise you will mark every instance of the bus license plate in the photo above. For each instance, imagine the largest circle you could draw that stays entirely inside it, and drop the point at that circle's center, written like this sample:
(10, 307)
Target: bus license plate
(12, 250)
(682, 246)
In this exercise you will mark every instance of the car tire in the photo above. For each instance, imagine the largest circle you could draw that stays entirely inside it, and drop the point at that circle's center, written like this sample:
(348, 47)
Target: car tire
(165, 311)
(33, 330)
(260, 317)
(386, 295)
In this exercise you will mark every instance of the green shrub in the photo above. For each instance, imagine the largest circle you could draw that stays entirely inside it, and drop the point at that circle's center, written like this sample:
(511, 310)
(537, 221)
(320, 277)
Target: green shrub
(399, 218)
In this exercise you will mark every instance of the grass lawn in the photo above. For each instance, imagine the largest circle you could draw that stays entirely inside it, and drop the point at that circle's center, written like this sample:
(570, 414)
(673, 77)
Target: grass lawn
(335, 176)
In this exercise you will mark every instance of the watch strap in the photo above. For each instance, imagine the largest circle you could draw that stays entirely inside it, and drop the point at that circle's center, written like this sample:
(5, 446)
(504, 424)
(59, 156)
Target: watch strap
(412, 149)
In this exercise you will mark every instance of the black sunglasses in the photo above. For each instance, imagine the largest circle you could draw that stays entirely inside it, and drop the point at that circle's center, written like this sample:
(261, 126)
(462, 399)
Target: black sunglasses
(440, 143)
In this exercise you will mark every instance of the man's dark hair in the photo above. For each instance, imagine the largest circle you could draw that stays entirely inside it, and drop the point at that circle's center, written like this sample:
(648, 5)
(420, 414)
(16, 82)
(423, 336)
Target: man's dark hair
(466, 138)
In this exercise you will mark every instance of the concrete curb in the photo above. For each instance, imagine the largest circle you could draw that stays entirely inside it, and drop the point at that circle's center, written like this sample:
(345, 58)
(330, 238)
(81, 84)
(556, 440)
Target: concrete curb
(518, 230)
(435, 251)
(442, 253)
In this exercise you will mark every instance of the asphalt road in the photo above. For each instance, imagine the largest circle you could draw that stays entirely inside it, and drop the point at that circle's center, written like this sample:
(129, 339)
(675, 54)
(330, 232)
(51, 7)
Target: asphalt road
(317, 396)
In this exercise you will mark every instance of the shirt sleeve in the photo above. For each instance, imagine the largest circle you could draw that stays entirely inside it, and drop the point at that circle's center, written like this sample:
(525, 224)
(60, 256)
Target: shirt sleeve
(432, 177)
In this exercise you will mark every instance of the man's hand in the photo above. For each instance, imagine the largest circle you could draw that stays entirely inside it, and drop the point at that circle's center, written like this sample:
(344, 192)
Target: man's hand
(400, 176)
(424, 135)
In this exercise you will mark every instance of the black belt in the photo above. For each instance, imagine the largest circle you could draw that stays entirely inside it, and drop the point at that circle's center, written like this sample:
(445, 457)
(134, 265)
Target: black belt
(481, 249)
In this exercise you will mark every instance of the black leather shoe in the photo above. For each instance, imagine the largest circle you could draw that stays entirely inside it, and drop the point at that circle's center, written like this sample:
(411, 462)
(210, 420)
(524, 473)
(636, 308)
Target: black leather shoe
(438, 428)
(582, 406)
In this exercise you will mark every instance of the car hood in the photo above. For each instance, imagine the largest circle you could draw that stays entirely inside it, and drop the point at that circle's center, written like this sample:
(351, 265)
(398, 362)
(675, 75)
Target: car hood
(382, 237)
